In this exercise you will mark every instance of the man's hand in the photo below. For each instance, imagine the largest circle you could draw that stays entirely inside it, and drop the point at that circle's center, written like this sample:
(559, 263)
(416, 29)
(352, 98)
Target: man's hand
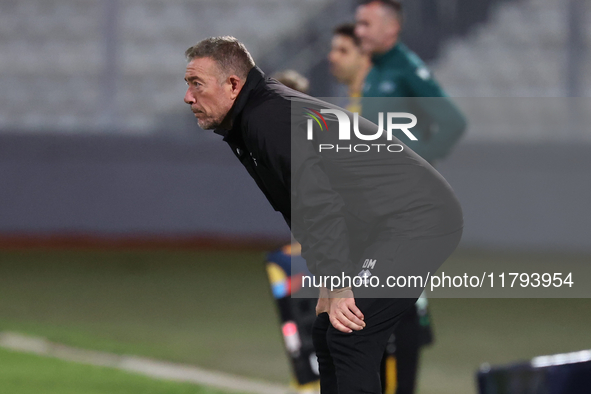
(344, 314)
(323, 301)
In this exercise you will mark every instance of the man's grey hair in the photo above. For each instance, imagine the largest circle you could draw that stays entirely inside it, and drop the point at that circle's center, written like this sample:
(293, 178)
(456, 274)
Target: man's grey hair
(231, 55)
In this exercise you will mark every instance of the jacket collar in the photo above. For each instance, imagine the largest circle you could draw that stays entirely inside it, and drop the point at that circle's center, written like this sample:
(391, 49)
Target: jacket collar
(254, 77)
(380, 58)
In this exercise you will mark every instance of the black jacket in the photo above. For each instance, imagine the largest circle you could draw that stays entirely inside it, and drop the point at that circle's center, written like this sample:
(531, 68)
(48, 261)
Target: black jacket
(332, 197)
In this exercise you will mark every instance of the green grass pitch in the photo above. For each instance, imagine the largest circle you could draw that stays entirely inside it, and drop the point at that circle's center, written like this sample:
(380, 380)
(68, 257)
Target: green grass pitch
(214, 310)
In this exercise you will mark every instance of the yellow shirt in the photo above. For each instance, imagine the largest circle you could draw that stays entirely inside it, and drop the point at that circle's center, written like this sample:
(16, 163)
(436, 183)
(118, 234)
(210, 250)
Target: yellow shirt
(354, 103)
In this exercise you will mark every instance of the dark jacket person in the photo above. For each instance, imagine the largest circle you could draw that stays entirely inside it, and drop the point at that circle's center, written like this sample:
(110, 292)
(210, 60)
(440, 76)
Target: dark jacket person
(356, 212)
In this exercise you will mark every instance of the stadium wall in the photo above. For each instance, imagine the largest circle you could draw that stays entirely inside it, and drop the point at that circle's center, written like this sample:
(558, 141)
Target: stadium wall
(76, 187)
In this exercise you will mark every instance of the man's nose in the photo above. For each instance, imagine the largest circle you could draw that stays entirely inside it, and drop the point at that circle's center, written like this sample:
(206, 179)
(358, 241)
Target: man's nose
(189, 97)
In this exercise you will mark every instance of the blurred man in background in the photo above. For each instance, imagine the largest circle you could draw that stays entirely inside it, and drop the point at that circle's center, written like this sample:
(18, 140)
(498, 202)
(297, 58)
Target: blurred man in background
(348, 63)
(398, 72)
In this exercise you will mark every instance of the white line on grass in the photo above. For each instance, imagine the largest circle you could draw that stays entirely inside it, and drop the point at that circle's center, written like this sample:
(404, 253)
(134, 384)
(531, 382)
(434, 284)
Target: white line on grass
(153, 368)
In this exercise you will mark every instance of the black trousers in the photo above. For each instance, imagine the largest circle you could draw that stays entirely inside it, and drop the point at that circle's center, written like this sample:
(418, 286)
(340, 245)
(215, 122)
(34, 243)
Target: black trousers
(349, 363)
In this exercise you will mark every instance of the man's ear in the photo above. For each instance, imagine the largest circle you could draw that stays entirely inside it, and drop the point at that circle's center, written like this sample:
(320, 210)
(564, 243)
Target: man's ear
(236, 84)
(394, 26)
(397, 28)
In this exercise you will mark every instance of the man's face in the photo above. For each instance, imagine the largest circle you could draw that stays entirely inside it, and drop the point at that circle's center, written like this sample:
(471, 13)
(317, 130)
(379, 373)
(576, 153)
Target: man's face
(345, 58)
(209, 94)
(376, 27)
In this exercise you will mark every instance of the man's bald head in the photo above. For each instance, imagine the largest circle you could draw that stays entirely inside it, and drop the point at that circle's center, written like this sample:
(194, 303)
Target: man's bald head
(378, 24)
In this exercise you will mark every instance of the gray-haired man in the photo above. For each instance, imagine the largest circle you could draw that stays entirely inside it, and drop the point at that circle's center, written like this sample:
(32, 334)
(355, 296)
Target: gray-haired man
(389, 207)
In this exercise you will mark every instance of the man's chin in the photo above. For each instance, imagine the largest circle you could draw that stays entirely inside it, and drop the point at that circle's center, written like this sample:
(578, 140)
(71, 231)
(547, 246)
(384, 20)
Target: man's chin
(368, 48)
(207, 125)
(337, 74)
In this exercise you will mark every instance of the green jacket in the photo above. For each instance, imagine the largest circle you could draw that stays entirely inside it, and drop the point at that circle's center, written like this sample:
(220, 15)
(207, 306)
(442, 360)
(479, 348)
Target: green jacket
(400, 73)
